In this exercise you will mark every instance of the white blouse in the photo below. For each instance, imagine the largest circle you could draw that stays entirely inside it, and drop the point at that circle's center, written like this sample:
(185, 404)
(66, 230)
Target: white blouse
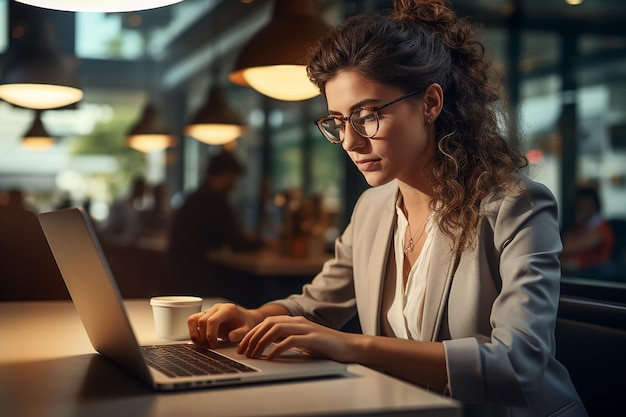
(404, 313)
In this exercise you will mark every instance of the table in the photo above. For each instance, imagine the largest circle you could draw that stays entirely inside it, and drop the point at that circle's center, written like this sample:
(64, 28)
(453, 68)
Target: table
(49, 369)
(268, 263)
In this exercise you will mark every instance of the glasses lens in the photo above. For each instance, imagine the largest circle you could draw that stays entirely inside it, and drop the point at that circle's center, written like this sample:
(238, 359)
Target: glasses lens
(331, 128)
(365, 122)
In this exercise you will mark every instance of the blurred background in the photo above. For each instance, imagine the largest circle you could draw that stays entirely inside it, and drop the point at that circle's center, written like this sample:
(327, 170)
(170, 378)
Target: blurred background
(563, 65)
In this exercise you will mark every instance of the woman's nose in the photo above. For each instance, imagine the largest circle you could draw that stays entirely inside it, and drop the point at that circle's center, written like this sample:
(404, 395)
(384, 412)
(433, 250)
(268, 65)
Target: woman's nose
(351, 140)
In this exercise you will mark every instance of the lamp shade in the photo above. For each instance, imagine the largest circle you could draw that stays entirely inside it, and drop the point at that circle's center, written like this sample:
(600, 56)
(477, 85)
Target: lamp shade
(35, 76)
(104, 6)
(273, 61)
(150, 133)
(216, 122)
(36, 137)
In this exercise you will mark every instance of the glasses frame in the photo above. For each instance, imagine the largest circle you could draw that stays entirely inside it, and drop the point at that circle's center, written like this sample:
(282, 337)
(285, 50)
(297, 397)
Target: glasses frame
(350, 118)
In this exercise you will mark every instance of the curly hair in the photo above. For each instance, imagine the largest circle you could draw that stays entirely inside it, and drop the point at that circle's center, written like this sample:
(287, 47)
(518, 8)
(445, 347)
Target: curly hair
(420, 43)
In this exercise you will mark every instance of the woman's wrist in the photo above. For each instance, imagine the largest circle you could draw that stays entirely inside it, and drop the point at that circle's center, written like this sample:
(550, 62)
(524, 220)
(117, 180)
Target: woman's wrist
(267, 310)
(359, 348)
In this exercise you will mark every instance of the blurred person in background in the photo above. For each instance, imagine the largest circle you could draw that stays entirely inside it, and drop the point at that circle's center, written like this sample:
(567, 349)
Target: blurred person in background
(588, 243)
(124, 221)
(207, 221)
(155, 219)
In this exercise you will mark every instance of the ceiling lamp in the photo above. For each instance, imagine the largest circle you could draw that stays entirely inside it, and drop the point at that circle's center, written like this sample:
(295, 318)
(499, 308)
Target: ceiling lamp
(36, 77)
(216, 123)
(37, 138)
(272, 61)
(104, 6)
(150, 133)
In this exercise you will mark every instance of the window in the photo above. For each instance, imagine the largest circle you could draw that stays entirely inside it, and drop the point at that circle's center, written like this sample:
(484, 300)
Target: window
(540, 106)
(4, 25)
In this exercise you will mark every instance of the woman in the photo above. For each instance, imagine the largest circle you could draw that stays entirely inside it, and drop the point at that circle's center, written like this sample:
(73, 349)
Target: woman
(451, 258)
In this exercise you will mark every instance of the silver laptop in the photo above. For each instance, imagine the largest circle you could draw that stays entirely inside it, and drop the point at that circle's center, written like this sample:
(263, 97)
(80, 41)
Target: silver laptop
(99, 303)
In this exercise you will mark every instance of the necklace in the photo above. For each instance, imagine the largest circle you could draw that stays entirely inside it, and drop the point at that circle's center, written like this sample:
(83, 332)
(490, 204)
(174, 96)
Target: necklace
(411, 245)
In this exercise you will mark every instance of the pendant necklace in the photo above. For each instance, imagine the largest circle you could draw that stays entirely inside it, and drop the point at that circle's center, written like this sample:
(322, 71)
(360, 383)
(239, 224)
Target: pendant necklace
(411, 245)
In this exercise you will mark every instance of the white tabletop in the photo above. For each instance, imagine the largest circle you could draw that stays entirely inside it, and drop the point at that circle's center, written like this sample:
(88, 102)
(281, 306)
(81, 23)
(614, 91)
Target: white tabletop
(49, 369)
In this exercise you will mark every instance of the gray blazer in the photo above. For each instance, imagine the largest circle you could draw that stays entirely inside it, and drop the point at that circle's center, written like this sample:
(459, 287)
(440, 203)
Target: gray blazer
(494, 307)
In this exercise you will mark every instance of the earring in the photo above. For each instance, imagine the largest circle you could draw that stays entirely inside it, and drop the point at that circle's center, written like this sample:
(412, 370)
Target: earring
(429, 120)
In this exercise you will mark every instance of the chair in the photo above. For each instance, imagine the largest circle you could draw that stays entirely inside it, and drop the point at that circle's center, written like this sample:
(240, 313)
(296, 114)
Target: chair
(27, 267)
(591, 343)
(594, 289)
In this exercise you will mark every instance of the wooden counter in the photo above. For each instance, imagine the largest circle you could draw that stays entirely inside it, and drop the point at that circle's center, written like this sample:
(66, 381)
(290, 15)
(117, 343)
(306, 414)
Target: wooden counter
(268, 263)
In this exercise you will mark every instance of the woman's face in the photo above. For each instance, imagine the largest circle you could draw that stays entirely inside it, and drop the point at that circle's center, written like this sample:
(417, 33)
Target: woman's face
(403, 145)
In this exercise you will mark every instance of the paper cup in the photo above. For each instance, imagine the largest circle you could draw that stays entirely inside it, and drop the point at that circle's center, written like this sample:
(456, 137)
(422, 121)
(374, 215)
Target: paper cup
(171, 313)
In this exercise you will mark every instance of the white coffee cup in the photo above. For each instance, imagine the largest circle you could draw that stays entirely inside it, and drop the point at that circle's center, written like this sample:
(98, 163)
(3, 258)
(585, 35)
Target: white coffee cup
(171, 313)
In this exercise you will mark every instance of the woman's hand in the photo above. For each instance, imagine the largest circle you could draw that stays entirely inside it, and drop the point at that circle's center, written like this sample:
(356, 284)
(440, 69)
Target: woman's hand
(224, 321)
(299, 333)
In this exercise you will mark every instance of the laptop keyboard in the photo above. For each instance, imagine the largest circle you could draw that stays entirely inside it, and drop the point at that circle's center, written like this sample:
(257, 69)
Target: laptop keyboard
(190, 360)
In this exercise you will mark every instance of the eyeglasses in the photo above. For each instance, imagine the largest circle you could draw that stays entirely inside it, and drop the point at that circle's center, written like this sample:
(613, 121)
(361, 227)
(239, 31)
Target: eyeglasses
(364, 121)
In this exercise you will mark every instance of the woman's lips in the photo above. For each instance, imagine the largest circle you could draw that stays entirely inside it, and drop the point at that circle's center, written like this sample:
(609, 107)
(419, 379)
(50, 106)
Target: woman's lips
(367, 164)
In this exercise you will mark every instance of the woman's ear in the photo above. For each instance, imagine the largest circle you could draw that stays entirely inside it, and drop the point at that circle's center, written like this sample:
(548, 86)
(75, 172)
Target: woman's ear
(433, 102)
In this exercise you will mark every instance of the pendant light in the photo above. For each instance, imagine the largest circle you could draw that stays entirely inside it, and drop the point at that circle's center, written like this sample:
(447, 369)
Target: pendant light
(103, 6)
(216, 122)
(273, 61)
(35, 76)
(150, 133)
(36, 137)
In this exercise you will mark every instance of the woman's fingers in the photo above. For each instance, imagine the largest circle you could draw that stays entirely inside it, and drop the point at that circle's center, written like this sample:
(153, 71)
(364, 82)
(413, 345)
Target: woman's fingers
(219, 321)
(275, 330)
(291, 342)
(198, 326)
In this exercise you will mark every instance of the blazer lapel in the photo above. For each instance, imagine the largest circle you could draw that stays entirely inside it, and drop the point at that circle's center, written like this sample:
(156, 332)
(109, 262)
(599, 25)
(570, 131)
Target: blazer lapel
(376, 267)
(442, 269)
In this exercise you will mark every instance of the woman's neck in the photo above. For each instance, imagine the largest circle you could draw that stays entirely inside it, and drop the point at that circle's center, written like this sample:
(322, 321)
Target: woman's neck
(416, 201)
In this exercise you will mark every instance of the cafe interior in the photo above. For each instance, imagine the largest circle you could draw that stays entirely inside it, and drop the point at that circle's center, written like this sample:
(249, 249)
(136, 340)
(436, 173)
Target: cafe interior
(154, 92)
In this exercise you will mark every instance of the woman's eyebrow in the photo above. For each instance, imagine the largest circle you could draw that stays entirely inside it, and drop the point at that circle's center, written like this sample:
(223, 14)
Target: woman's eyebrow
(363, 103)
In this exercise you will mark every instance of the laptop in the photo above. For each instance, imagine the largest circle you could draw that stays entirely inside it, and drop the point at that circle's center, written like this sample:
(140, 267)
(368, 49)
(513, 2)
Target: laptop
(98, 301)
